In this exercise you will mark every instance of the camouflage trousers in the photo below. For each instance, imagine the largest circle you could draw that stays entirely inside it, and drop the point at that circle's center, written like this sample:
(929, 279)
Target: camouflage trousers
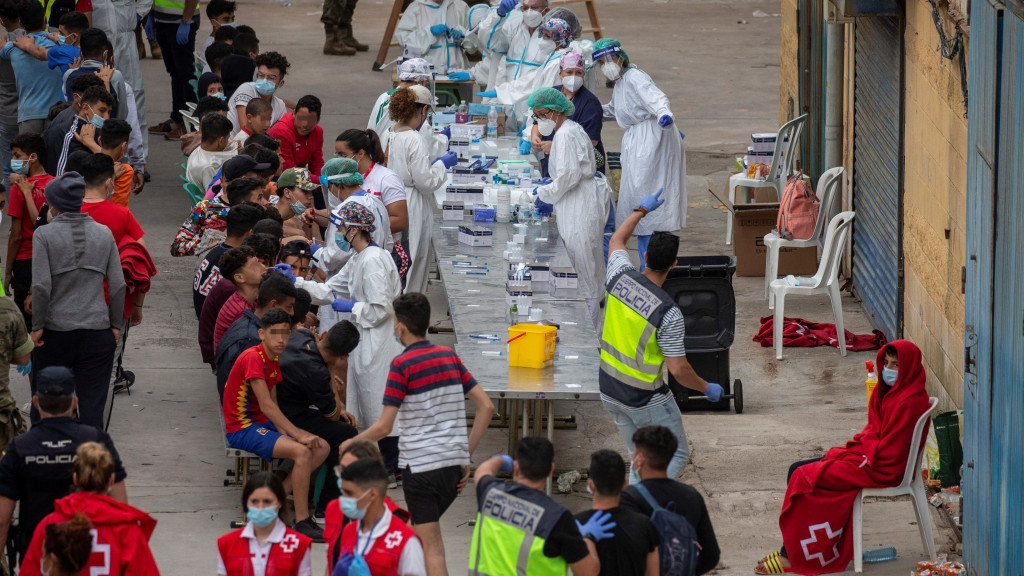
(338, 12)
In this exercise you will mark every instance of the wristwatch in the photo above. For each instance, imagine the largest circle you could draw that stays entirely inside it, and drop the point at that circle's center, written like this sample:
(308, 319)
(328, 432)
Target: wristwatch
(641, 210)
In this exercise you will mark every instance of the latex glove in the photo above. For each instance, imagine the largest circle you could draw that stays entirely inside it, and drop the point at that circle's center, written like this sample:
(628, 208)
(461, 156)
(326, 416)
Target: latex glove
(524, 146)
(665, 120)
(506, 6)
(488, 94)
(544, 181)
(599, 526)
(455, 34)
(459, 76)
(714, 392)
(438, 29)
(447, 132)
(184, 29)
(681, 135)
(148, 27)
(449, 159)
(285, 270)
(26, 369)
(342, 305)
(313, 247)
(543, 208)
(653, 201)
(506, 464)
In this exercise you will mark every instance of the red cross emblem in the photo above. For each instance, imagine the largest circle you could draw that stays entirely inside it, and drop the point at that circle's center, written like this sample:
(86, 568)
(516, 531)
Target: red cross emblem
(822, 544)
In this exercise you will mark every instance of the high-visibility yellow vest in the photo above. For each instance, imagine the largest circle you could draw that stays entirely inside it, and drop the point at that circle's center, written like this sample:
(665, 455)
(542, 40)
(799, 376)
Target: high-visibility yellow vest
(170, 7)
(630, 353)
(512, 525)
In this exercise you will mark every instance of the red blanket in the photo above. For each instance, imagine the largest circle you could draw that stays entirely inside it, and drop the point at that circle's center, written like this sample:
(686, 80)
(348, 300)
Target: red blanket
(800, 333)
(817, 513)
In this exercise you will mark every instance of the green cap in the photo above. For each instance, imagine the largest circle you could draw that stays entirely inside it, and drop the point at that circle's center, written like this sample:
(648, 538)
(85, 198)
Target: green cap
(296, 177)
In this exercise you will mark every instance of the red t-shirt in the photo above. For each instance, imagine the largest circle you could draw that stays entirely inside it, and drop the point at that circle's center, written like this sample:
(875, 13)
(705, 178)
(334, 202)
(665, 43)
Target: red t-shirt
(231, 310)
(241, 410)
(118, 218)
(17, 209)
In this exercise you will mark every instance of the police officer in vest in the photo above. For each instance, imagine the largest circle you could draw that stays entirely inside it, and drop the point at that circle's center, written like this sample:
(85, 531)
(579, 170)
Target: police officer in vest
(643, 333)
(36, 468)
(519, 530)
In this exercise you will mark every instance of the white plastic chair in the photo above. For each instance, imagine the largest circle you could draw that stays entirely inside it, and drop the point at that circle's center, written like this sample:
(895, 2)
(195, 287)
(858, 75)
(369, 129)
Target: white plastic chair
(827, 192)
(824, 281)
(782, 167)
(912, 485)
(191, 106)
(190, 122)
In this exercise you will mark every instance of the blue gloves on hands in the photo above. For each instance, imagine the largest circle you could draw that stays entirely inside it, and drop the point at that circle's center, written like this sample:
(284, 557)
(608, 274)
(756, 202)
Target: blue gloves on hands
(184, 29)
(525, 146)
(148, 27)
(447, 132)
(438, 29)
(681, 135)
(506, 6)
(313, 247)
(26, 369)
(342, 305)
(543, 208)
(488, 94)
(652, 202)
(545, 181)
(459, 76)
(285, 270)
(506, 464)
(665, 120)
(449, 159)
(455, 34)
(599, 526)
(714, 392)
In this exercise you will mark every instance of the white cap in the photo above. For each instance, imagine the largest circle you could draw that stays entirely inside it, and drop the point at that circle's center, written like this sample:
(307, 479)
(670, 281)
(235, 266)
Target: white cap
(414, 70)
(423, 96)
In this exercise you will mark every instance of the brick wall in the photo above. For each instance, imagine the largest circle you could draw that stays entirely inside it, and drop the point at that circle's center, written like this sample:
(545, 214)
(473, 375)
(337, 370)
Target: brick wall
(934, 205)
(789, 73)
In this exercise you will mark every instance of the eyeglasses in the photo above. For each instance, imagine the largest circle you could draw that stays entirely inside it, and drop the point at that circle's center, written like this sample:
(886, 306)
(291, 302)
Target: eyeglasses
(544, 115)
(271, 77)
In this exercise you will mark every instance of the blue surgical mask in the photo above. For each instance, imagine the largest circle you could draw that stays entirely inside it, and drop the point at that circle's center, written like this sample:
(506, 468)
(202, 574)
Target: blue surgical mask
(341, 243)
(61, 40)
(889, 376)
(264, 86)
(262, 517)
(229, 24)
(350, 507)
(219, 96)
(19, 167)
(96, 121)
(298, 208)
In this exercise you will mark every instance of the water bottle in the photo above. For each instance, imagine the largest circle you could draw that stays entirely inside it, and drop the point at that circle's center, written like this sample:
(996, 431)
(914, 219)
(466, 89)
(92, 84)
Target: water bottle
(462, 116)
(503, 213)
(883, 554)
(492, 123)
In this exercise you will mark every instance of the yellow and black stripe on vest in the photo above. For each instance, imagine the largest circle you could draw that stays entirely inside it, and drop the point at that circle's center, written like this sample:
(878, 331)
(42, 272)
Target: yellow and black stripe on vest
(630, 353)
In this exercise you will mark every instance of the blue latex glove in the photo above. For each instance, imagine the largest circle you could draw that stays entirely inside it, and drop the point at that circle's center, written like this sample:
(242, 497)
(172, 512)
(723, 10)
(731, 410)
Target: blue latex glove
(285, 270)
(543, 208)
(665, 120)
(506, 464)
(488, 94)
(313, 247)
(342, 305)
(653, 201)
(506, 6)
(459, 76)
(599, 526)
(438, 29)
(148, 27)
(26, 369)
(449, 159)
(681, 135)
(455, 34)
(714, 392)
(447, 132)
(545, 181)
(184, 29)
(525, 146)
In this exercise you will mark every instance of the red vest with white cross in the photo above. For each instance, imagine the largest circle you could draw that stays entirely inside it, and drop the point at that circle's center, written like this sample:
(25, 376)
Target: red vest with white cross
(382, 558)
(285, 556)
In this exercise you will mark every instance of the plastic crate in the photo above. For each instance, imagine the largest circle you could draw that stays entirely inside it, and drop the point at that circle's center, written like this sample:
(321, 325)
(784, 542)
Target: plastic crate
(701, 287)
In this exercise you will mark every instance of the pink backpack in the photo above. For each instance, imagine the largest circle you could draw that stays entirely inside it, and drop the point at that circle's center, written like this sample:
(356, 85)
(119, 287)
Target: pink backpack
(798, 210)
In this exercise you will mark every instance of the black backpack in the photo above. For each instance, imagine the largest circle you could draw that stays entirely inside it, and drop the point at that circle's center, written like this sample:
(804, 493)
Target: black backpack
(677, 554)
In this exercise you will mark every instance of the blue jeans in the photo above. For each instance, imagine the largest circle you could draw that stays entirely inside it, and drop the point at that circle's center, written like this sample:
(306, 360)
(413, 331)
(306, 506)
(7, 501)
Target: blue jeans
(667, 415)
(609, 229)
(7, 133)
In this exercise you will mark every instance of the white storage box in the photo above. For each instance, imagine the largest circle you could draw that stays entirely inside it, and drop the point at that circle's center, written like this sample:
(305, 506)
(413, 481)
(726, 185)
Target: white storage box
(476, 236)
(564, 277)
(539, 271)
(451, 210)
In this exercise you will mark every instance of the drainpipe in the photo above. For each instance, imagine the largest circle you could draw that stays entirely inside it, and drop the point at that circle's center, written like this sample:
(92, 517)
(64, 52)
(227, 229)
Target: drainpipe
(834, 95)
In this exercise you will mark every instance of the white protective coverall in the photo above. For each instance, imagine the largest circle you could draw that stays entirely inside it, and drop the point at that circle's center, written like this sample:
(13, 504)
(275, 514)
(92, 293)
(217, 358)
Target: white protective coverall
(413, 32)
(380, 122)
(410, 157)
(117, 19)
(652, 157)
(369, 279)
(493, 45)
(519, 90)
(527, 51)
(581, 206)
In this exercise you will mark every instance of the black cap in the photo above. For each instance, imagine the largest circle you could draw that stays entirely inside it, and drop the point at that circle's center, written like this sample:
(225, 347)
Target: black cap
(55, 381)
(235, 167)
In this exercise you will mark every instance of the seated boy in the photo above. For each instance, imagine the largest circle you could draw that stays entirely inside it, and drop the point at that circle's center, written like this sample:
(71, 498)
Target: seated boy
(252, 417)
(215, 149)
(258, 114)
(207, 105)
(221, 13)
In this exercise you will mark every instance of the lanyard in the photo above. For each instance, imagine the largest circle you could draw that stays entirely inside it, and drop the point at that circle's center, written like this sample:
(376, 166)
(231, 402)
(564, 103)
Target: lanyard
(369, 536)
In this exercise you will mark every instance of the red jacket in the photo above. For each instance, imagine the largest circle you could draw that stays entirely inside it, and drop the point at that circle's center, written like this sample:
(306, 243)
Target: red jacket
(383, 557)
(121, 544)
(335, 523)
(285, 556)
(138, 268)
(299, 151)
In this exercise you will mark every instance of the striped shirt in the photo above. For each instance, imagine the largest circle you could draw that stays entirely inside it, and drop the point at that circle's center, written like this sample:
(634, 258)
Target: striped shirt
(669, 334)
(428, 384)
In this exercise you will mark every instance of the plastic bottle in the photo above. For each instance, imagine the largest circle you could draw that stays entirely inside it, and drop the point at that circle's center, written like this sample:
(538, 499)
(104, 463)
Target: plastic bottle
(492, 123)
(474, 149)
(503, 211)
(872, 380)
(882, 554)
(462, 116)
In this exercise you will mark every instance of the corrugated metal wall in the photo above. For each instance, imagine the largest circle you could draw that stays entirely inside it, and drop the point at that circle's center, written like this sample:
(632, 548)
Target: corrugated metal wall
(876, 170)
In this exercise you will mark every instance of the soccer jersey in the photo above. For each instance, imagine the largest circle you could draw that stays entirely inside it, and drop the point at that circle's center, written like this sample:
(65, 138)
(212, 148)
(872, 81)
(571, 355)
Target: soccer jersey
(241, 409)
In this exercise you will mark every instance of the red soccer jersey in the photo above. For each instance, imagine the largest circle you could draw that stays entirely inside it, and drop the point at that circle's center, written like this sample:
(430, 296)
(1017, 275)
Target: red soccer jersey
(16, 209)
(241, 410)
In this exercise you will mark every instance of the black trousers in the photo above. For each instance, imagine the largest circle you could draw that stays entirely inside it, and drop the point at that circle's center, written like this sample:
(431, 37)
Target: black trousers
(20, 285)
(792, 469)
(334, 433)
(389, 450)
(178, 59)
(90, 355)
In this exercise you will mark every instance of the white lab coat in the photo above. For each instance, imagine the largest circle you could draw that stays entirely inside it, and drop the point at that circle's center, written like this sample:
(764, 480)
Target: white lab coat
(409, 156)
(580, 205)
(117, 19)
(652, 157)
(413, 32)
(370, 279)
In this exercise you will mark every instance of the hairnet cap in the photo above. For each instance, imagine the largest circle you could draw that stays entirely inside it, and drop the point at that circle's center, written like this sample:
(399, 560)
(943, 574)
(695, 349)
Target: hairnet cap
(414, 70)
(355, 215)
(559, 30)
(477, 14)
(344, 171)
(552, 99)
(569, 17)
(423, 96)
(607, 47)
(571, 60)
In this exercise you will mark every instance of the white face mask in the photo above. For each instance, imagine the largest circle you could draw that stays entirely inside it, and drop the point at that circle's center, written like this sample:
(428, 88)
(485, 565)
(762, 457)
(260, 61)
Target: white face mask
(546, 127)
(572, 83)
(532, 18)
(611, 70)
(546, 45)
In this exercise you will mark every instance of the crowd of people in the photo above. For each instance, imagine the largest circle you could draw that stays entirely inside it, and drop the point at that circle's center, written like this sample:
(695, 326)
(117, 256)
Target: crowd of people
(309, 292)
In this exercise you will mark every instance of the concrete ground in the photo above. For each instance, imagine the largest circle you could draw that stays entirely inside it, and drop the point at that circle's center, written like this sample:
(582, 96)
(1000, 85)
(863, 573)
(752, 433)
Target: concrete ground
(717, 61)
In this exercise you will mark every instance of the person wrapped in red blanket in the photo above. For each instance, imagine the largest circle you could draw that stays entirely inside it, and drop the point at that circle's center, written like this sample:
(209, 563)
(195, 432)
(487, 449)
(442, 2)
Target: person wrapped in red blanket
(816, 515)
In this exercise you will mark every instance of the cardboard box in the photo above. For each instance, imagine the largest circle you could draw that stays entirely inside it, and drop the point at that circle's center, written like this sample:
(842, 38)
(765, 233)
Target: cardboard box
(451, 210)
(564, 277)
(476, 236)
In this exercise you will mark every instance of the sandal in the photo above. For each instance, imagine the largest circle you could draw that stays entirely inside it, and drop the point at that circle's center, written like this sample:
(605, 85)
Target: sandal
(772, 564)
